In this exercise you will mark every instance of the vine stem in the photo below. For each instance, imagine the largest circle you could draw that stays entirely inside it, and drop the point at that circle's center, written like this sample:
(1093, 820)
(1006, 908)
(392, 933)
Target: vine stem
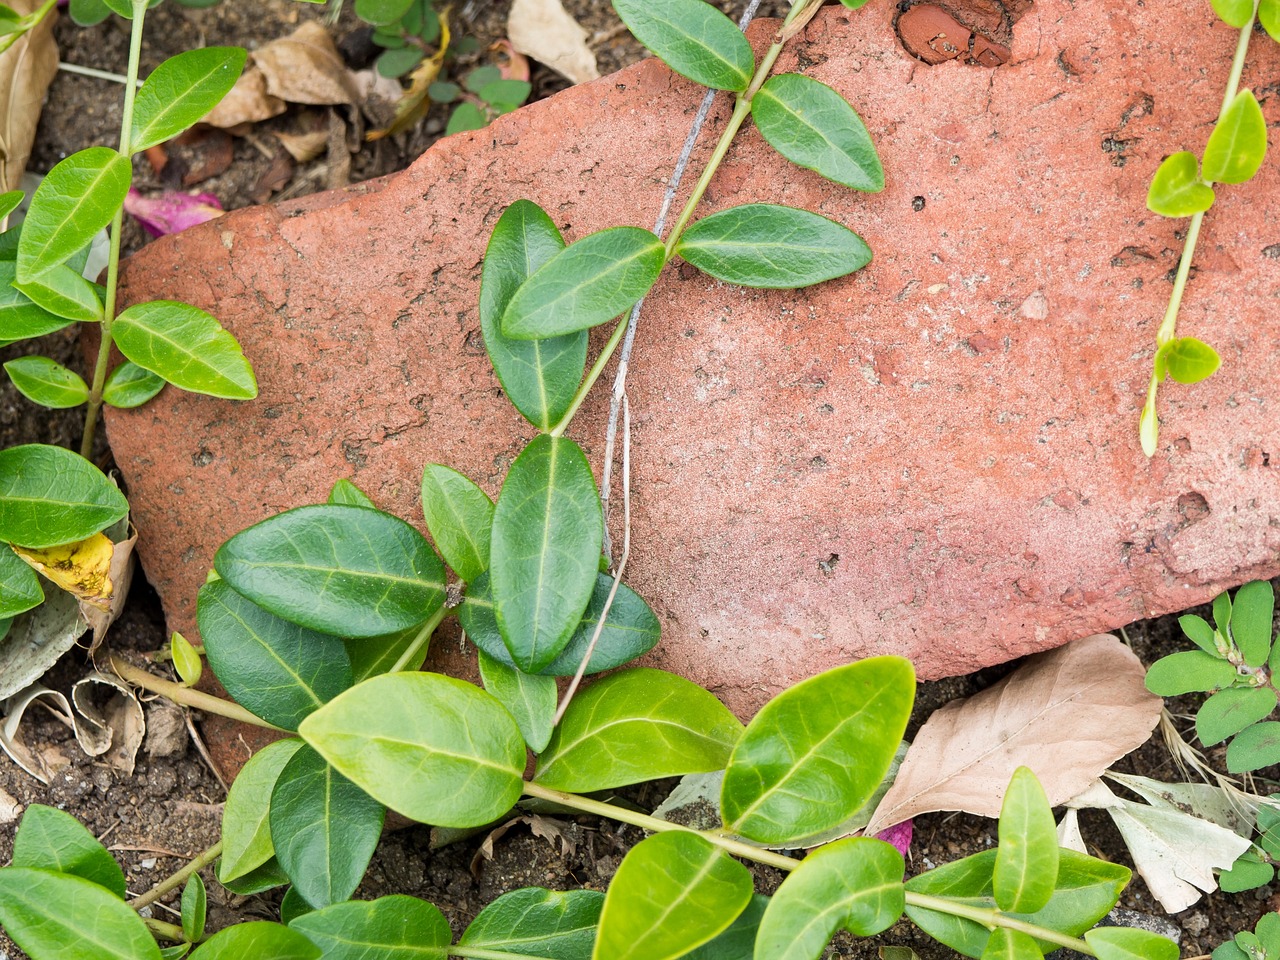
(175, 880)
(417, 648)
(991, 919)
(117, 226)
(186, 696)
(165, 931)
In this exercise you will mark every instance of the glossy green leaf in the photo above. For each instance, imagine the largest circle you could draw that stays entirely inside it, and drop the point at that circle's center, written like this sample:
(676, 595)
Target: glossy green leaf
(345, 493)
(1269, 17)
(272, 667)
(19, 317)
(534, 922)
(50, 496)
(293, 906)
(371, 656)
(588, 283)
(1191, 671)
(1247, 873)
(1251, 621)
(459, 515)
(738, 941)
(246, 829)
(853, 884)
(814, 754)
(636, 725)
(1085, 892)
(1188, 360)
(1006, 944)
(76, 199)
(1177, 190)
(195, 907)
(389, 928)
(1254, 747)
(540, 377)
(9, 202)
(185, 346)
(258, 939)
(63, 292)
(630, 630)
(50, 839)
(260, 879)
(1027, 858)
(175, 952)
(381, 12)
(36, 910)
(1238, 144)
(47, 382)
(19, 586)
(187, 663)
(1234, 13)
(1199, 632)
(180, 91)
(129, 386)
(693, 38)
(348, 571)
(672, 893)
(529, 698)
(1228, 712)
(546, 540)
(816, 128)
(324, 829)
(766, 245)
(1128, 943)
(428, 746)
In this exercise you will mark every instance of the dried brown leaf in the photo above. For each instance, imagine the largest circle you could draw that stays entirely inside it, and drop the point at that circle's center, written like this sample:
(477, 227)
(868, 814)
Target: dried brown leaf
(544, 30)
(415, 102)
(305, 67)
(1067, 714)
(248, 102)
(26, 70)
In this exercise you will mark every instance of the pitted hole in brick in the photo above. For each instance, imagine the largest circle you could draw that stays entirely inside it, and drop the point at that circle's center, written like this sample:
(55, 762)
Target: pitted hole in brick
(978, 32)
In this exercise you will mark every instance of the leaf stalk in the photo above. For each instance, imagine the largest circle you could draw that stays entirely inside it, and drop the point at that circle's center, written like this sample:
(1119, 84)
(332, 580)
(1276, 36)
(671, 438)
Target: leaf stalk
(175, 880)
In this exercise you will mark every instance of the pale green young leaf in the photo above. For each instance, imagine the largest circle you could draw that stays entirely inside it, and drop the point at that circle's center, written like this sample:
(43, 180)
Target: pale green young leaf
(47, 382)
(246, 829)
(1149, 429)
(195, 906)
(588, 283)
(1199, 632)
(1027, 858)
(1129, 943)
(51, 839)
(1234, 13)
(428, 746)
(19, 317)
(771, 246)
(9, 202)
(389, 928)
(1006, 944)
(50, 496)
(180, 91)
(693, 38)
(64, 293)
(534, 922)
(128, 386)
(1252, 616)
(1189, 360)
(76, 199)
(529, 698)
(1269, 17)
(1254, 747)
(176, 951)
(816, 128)
(188, 664)
(1238, 144)
(1177, 190)
(19, 586)
(185, 346)
(1192, 671)
(258, 939)
(1222, 612)
(36, 912)
(459, 516)
(1229, 711)
(345, 493)
(672, 893)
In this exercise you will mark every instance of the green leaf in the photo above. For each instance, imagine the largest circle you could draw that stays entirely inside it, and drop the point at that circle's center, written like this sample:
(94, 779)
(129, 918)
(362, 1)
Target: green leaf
(540, 377)
(389, 928)
(382, 12)
(186, 346)
(738, 941)
(19, 586)
(505, 93)
(1229, 711)
(854, 884)
(1238, 144)
(9, 202)
(1027, 858)
(1177, 190)
(130, 386)
(1247, 873)
(1267, 931)
(530, 699)
(246, 830)
(766, 245)
(125, 7)
(636, 725)
(1222, 612)
(1192, 671)
(1229, 951)
(398, 62)
(1199, 632)
(258, 880)
(481, 77)
(538, 923)
(465, 116)
(47, 383)
(816, 128)
(292, 905)
(546, 540)
(459, 515)
(348, 571)
(1006, 944)
(276, 669)
(63, 292)
(586, 284)
(260, 940)
(324, 829)
(37, 913)
(347, 494)
(630, 630)
(195, 905)
(693, 38)
(672, 893)
(180, 91)
(1269, 17)
(50, 496)
(19, 317)
(1234, 13)
(1251, 621)
(88, 13)
(50, 839)
(175, 952)
(814, 754)
(1254, 747)
(76, 199)
(371, 656)
(1188, 360)
(1127, 943)
(428, 746)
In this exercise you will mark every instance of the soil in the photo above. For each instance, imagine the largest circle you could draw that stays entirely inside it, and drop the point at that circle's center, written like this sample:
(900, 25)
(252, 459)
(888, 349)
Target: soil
(169, 809)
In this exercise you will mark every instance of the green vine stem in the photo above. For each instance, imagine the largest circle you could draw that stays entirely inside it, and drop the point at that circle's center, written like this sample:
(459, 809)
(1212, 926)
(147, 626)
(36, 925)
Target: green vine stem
(186, 696)
(417, 648)
(117, 226)
(165, 931)
(175, 880)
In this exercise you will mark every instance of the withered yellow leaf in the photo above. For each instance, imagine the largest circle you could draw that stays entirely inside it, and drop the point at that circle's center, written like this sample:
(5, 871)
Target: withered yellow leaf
(83, 569)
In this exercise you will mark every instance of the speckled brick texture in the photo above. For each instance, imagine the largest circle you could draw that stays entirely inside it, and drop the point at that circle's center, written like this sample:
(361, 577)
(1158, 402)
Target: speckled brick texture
(936, 457)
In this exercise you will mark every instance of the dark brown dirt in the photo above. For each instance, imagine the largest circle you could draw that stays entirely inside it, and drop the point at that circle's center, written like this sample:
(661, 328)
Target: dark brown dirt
(169, 809)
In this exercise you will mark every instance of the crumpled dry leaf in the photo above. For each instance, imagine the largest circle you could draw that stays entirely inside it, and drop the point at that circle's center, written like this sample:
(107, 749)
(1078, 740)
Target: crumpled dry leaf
(82, 568)
(26, 70)
(415, 102)
(544, 30)
(111, 722)
(10, 809)
(100, 616)
(41, 764)
(37, 639)
(1067, 714)
(247, 102)
(548, 828)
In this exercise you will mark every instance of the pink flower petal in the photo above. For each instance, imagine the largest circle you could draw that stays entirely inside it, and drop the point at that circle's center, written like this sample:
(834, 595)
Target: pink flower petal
(898, 835)
(171, 211)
